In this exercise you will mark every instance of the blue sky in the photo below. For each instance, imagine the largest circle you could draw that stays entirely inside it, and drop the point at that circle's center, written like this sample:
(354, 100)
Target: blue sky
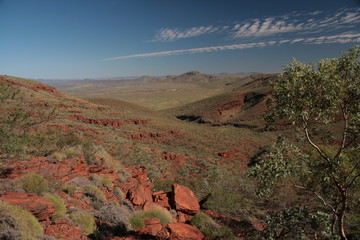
(67, 39)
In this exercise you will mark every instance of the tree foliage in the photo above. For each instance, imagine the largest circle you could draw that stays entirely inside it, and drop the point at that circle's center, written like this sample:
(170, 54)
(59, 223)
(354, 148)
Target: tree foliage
(309, 97)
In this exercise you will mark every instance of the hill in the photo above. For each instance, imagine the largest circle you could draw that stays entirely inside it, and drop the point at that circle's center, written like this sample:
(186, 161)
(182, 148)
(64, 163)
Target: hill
(73, 144)
(242, 105)
(156, 93)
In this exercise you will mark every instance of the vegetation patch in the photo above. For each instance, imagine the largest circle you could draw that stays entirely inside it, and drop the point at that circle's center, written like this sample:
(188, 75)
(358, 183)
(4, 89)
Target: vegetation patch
(83, 220)
(137, 221)
(97, 197)
(59, 205)
(18, 223)
(34, 183)
(210, 228)
(102, 181)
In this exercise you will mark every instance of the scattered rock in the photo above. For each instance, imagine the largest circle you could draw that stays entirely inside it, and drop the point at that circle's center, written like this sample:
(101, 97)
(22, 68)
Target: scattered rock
(162, 199)
(62, 229)
(42, 209)
(182, 231)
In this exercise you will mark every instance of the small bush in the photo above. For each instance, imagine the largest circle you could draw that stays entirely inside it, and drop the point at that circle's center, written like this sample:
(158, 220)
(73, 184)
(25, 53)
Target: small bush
(34, 183)
(119, 194)
(58, 203)
(210, 228)
(83, 220)
(97, 197)
(116, 217)
(17, 223)
(97, 155)
(69, 188)
(49, 143)
(102, 181)
(159, 212)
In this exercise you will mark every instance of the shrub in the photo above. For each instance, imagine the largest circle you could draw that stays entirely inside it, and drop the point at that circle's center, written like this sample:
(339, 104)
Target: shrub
(102, 181)
(97, 197)
(58, 203)
(137, 221)
(17, 223)
(210, 228)
(34, 183)
(119, 194)
(97, 155)
(116, 217)
(53, 142)
(69, 188)
(83, 220)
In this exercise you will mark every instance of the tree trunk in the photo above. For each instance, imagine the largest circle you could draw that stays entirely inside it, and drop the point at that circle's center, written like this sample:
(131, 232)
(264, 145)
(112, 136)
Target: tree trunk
(341, 219)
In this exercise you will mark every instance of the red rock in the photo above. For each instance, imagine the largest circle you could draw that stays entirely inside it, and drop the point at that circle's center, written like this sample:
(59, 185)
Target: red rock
(152, 221)
(162, 199)
(45, 88)
(140, 195)
(185, 199)
(181, 217)
(152, 230)
(182, 231)
(42, 209)
(62, 229)
(59, 170)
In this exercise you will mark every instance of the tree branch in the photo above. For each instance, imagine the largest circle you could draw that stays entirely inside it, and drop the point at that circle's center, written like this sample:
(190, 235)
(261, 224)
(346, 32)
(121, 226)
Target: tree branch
(316, 194)
(344, 135)
(312, 143)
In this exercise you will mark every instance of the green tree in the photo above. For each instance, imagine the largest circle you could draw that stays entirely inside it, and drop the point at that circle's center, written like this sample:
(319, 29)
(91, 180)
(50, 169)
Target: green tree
(309, 97)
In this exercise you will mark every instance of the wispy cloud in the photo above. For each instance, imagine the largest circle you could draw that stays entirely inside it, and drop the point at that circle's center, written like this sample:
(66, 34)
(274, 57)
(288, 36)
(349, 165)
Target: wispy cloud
(296, 22)
(340, 38)
(172, 34)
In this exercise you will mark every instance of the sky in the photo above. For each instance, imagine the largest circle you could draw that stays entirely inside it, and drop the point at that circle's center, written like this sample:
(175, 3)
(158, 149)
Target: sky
(76, 39)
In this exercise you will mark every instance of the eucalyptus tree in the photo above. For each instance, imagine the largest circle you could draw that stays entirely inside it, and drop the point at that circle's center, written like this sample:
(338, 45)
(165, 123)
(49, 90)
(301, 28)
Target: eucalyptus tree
(310, 97)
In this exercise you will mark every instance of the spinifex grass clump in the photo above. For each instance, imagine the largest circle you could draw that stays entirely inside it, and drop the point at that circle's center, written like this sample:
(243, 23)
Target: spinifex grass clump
(210, 228)
(96, 196)
(18, 223)
(83, 220)
(34, 183)
(58, 204)
(137, 222)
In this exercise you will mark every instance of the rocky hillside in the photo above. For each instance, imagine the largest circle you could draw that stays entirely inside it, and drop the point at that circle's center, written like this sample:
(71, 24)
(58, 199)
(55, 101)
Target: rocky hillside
(88, 171)
(241, 106)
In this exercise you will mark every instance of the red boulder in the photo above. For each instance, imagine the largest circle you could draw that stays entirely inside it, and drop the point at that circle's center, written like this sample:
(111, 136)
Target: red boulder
(185, 200)
(182, 231)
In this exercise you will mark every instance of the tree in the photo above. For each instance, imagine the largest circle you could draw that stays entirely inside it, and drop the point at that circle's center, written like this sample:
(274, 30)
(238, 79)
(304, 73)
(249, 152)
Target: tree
(310, 97)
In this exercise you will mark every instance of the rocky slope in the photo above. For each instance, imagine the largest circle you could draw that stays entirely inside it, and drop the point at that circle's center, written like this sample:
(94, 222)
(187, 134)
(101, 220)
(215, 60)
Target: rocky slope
(76, 149)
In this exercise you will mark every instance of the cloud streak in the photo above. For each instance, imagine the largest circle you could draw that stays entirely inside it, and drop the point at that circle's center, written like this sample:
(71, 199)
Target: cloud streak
(172, 34)
(350, 37)
(300, 23)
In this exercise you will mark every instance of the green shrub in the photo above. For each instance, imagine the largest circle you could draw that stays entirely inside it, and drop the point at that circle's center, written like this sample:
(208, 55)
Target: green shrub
(97, 197)
(58, 203)
(52, 142)
(34, 183)
(137, 221)
(102, 181)
(119, 194)
(18, 223)
(69, 188)
(210, 228)
(83, 220)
